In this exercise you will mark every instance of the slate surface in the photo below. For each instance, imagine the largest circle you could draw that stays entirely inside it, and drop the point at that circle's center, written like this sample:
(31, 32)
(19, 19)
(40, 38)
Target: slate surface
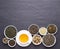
(22, 13)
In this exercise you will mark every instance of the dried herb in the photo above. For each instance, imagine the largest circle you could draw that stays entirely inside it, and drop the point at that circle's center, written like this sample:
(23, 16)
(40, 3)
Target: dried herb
(5, 40)
(49, 40)
(37, 39)
(52, 29)
(10, 32)
(33, 29)
(11, 42)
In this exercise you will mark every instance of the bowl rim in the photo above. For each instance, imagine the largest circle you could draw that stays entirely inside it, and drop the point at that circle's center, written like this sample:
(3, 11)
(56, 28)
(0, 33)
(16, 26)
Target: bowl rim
(45, 32)
(3, 40)
(6, 28)
(52, 44)
(55, 31)
(40, 41)
(10, 45)
(31, 25)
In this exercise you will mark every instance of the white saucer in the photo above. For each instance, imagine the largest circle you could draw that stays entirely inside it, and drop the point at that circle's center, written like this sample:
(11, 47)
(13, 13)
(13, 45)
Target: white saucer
(24, 32)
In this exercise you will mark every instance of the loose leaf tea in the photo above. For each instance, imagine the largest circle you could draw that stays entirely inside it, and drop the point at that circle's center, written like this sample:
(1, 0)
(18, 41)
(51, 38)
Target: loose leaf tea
(49, 40)
(37, 39)
(10, 32)
(43, 31)
(11, 42)
(33, 29)
(52, 28)
(5, 40)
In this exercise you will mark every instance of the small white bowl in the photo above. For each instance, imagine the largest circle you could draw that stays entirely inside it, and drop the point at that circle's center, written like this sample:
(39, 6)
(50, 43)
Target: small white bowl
(42, 28)
(6, 28)
(35, 25)
(5, 40)
(34, 42)
(10, 45)
(55, 26)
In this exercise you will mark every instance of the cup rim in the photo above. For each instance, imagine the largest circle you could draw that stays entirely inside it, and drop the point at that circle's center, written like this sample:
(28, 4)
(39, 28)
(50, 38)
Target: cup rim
(5, 32)
(52, 44)
(10, 45)
(55, 31)
(31, 25)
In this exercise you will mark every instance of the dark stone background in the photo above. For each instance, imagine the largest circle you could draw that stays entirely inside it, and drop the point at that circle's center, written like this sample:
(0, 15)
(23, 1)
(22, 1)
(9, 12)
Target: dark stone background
(22, 13)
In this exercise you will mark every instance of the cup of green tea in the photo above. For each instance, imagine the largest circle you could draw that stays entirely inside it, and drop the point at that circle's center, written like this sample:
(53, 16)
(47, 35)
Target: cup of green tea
(10, 31)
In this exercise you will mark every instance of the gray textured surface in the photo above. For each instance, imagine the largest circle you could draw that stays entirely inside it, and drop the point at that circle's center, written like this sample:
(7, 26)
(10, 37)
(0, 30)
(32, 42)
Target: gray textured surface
(22, 13)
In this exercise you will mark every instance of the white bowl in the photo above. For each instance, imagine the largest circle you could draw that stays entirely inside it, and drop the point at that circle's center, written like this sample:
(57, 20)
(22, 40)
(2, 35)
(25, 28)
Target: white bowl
(35, 25)
(10, 45)
(55, 26)
(43, 28)
(39, 37)
(6, 28)
(50, 45)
